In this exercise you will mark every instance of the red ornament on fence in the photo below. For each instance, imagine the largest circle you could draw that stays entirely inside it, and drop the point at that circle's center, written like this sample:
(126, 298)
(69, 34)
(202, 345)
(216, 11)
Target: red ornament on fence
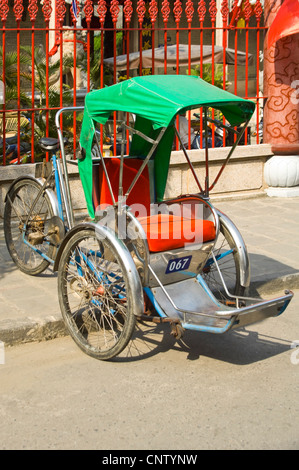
(33, 9)
(213, 10)
(141, 11)
(18, 9)
(102, 10)
(4, 9)
(153, 11)
(247, 10)
(258, 10)
(165, 11)
(114, 9)
(74, 19)
(47, 10)
(88, 10)
(177, 10)
(189, 10)
(60, 11)
(224, 11)
(128, 11)
(201, 10)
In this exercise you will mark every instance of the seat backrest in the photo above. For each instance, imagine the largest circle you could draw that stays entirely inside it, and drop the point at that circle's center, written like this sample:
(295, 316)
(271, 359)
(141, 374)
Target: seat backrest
(142, 192)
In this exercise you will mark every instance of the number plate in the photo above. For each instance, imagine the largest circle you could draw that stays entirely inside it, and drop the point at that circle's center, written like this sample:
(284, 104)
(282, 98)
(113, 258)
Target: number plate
(178, 264)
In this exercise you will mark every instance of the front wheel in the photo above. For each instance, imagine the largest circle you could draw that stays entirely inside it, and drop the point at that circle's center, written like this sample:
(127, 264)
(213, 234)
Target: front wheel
(95, 295)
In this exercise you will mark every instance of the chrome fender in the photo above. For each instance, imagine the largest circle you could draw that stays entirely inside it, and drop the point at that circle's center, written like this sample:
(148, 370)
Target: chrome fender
(241, 247)
(51, 194)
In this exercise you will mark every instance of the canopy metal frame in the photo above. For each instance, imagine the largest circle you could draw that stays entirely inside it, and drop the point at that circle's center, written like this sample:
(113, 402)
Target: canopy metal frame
(203, 191)
(155, 142)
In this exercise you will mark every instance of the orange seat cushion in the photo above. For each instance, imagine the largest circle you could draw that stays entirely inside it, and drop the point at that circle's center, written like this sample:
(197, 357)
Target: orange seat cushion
(169, 232)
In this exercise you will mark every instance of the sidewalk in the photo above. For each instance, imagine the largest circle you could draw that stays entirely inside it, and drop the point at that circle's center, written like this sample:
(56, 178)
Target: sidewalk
(29, 308)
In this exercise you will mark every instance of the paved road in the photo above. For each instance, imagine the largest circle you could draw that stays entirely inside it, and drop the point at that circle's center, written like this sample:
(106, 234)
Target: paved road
(238, 391)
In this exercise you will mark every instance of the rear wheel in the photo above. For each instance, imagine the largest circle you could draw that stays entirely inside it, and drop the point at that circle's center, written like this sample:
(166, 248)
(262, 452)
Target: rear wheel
(94, 295)
(19, 229)
(228, 260)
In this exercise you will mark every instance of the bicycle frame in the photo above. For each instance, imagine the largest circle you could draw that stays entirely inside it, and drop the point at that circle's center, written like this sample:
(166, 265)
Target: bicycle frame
(62, 188)
(63, 179)
(56, 201)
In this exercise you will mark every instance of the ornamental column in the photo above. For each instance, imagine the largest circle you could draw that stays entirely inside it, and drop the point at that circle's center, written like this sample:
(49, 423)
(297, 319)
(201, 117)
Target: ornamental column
(281, 110)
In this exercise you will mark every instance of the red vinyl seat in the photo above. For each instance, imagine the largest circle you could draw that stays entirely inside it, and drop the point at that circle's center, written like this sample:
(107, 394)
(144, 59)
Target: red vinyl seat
(169, 232)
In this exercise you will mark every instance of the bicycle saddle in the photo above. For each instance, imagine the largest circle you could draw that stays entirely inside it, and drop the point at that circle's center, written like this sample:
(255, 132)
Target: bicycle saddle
(50, 143)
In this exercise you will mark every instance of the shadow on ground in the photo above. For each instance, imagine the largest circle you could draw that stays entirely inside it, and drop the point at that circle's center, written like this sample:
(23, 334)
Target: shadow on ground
(7, 266)
(239, 347)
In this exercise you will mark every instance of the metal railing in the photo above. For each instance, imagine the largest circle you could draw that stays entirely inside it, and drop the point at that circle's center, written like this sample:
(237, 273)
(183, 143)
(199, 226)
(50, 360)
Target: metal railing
(54, 52)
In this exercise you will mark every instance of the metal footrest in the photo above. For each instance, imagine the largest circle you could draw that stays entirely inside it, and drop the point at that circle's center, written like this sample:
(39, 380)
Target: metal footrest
(193, 304)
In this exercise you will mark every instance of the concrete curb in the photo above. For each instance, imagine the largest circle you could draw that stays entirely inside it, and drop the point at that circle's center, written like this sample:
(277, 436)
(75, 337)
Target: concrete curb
(275, 286)
(27, 330)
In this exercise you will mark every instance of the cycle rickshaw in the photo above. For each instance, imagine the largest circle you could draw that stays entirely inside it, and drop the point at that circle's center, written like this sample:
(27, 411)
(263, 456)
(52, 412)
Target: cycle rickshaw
(139, 255)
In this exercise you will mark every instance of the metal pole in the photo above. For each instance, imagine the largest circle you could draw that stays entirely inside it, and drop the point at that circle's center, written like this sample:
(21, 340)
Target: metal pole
(188, 160)
(121, 168)
(105, 169)
(206, 152)
(69, 206)
(146, 160)
(230, 153)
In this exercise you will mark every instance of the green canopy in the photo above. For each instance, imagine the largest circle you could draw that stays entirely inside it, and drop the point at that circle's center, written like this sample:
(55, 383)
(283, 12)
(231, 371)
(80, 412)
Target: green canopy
(155, 100)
